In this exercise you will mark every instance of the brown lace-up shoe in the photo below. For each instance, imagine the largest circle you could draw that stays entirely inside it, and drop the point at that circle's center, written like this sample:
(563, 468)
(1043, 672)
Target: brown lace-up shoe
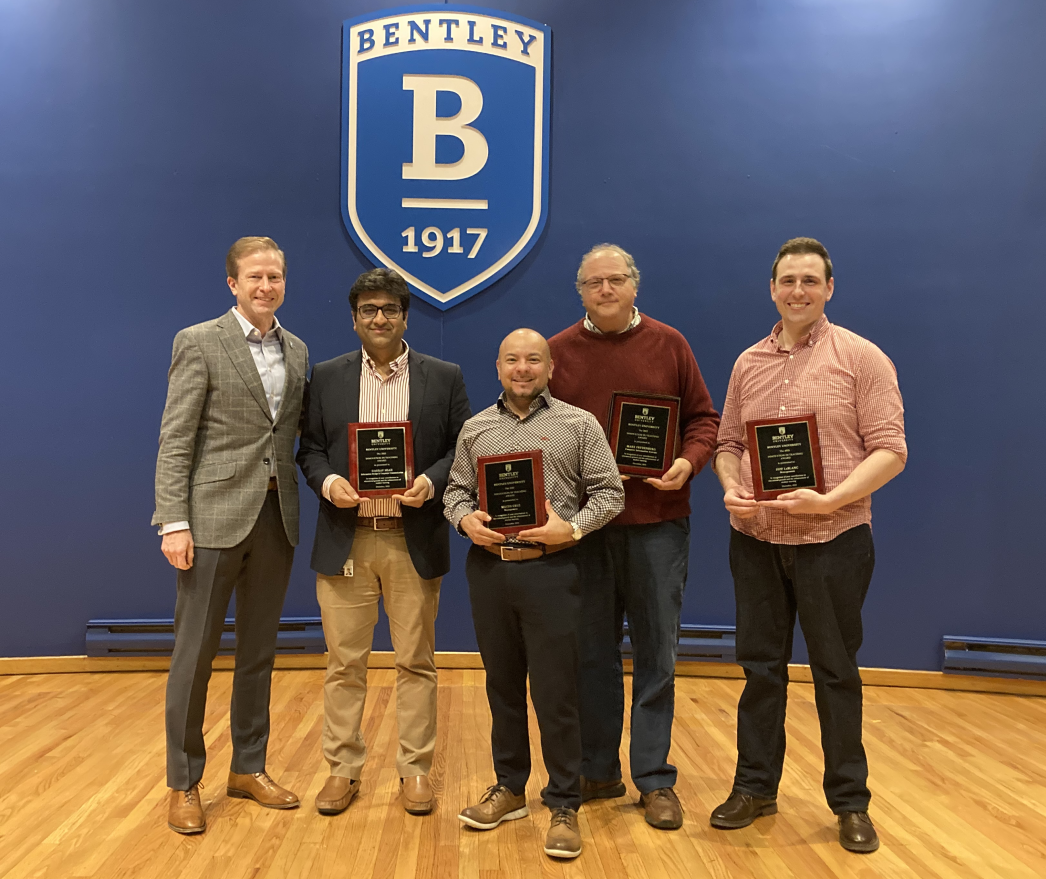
(662, 809)
(856, 832)
(740, 810)
(564, 836)
(185, 814)
(262, 789)
(496, 805)
(416, 795)
(336, 795)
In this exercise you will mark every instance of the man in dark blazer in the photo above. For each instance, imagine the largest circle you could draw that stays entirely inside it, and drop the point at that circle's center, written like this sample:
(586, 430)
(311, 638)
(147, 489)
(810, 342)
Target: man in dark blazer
(227, 507)
(394, 549)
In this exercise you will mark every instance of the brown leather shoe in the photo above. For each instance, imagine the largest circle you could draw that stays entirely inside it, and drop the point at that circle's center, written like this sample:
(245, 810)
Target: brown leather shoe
(496, 805)
(336, 795)
(185, 814)
(601, 790)
(262, 789)
(740, 810)
(662, 809)
(416, 795)
(563, 839)
(857, 833)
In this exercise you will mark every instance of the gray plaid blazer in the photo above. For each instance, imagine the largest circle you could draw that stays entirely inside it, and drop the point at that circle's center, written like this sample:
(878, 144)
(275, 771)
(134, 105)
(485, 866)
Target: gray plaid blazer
(217, 436)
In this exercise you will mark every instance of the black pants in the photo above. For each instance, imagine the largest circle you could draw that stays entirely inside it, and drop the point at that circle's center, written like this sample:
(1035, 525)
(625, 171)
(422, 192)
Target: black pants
(526, 616)
(258, 568)
(826, 583)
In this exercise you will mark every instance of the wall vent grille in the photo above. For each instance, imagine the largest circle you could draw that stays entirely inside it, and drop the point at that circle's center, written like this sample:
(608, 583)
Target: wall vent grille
(996, 657)
(698, 644)
(297, 635)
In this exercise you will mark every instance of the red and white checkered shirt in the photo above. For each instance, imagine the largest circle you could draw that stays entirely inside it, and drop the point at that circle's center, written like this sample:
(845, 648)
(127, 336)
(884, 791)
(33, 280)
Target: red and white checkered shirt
(852, 388)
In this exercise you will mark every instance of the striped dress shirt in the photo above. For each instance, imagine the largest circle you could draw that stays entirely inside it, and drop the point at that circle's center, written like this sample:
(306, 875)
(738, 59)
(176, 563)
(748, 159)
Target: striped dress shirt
(576, 457)
(381, 399)
(849, 384)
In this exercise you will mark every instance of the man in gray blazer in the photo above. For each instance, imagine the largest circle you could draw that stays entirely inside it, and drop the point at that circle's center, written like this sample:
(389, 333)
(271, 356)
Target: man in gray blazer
(227, 507)
(395, 549)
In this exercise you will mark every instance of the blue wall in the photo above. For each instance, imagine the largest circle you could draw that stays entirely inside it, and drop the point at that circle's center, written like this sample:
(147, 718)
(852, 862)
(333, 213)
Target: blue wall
(137, 141)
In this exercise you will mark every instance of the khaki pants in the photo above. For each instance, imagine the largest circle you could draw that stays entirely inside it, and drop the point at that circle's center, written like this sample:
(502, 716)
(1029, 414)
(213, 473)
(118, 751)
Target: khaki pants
(381, 568)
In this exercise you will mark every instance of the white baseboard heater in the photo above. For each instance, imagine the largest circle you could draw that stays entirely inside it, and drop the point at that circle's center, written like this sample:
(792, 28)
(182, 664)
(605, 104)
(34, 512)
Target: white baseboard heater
(297, 635)
(997, 657)
(698, 644)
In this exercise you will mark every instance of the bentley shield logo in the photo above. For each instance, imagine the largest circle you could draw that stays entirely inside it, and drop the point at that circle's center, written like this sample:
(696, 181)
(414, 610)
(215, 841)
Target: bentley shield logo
(445, 124)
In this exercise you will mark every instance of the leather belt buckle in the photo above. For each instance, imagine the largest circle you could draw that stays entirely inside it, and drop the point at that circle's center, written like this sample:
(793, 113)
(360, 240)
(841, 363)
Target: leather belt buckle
(511, 553)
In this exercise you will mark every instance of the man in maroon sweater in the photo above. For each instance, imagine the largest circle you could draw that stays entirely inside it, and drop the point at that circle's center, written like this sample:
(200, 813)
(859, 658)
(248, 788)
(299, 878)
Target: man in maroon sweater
(637, 565)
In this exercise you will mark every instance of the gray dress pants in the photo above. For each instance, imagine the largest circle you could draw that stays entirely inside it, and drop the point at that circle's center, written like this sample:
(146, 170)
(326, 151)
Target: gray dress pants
(257, 569)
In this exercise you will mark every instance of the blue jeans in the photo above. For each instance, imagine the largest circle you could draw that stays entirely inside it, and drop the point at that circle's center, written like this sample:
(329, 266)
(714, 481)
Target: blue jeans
(825, 583)
(638, 571)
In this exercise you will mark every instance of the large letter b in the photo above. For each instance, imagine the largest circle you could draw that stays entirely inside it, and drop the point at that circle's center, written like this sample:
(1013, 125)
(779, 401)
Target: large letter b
(427, 126)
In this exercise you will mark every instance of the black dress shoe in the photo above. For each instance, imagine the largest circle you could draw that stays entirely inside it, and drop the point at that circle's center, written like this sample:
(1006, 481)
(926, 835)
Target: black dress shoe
(595, 790)
(856, 833)
(740, 810)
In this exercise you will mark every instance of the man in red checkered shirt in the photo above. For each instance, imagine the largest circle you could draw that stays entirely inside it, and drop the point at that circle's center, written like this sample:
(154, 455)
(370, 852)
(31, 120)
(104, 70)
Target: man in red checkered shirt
(805, 551)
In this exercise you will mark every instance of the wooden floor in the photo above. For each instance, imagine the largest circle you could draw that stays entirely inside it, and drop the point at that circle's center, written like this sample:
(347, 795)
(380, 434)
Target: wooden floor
(959, 785)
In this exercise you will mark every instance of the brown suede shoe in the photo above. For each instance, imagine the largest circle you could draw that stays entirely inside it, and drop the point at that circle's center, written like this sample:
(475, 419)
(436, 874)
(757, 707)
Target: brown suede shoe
(416, 795)
(662, 809)
(856, 833)
(563, 839)
(185, 814)
(336, 795)
(262, 789)
(496, 805)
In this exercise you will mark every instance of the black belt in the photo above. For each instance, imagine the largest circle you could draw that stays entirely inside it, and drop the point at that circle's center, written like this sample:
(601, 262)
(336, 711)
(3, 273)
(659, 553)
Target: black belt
(515, 552)
(381, 523)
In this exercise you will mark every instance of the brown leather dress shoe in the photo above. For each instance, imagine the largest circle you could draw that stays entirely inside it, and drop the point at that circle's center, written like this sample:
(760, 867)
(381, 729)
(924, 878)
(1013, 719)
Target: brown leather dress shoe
(857, 833)
(262, 789)
(740, 810)
(662, 809)
(496, 805)
(336, 795)
(601, 790)
(416, 795)
(563, 839)
(185, 814)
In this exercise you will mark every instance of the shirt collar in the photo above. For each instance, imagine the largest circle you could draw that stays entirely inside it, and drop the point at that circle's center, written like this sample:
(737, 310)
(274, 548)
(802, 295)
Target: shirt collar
(632, 324)
(394, 367)
(811, 338)
(544, 397)
(249, 328)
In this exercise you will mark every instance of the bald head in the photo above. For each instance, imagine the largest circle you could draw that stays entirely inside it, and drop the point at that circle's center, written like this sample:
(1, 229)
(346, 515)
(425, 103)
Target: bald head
(524, 367)
(524, 340)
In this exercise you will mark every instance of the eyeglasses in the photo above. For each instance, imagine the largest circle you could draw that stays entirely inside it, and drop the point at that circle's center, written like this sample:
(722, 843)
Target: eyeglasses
(369, 312)
(616, 282)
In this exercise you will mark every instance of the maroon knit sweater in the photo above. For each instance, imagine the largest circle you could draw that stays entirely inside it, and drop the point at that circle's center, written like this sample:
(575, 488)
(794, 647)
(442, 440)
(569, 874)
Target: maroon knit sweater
(651, 358)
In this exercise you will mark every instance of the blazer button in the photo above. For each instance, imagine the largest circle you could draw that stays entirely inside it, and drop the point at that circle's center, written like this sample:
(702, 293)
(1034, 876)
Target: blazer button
(266, 461)
(274, 430)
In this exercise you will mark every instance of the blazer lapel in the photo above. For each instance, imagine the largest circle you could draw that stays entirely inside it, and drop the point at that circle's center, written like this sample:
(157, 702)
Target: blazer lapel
(351, 392)
(293, 370)
(240, 354)
(418, 377)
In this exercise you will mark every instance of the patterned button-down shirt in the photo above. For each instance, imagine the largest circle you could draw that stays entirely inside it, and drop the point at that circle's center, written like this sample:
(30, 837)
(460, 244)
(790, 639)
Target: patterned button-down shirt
(632, 324)
(852, 388)
(575, 453)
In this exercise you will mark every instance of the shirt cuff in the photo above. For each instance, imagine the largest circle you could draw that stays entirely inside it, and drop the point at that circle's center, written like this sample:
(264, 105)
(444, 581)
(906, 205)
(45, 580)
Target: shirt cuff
(327, 483)
(170, 527)
(432, 487)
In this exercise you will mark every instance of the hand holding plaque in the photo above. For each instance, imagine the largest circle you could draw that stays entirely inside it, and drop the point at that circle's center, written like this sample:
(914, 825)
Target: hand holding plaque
(512, 491)
(643, 432)
(381, 458)
(785, 454)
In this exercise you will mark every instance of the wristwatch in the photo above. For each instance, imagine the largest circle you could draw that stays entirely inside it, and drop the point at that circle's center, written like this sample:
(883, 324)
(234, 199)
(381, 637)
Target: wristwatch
(577, 535)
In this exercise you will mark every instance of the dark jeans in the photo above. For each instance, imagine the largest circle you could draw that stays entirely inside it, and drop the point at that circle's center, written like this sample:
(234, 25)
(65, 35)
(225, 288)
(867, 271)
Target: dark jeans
(258, 569)
(526, 615)
(638, 571)
(826, 584)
